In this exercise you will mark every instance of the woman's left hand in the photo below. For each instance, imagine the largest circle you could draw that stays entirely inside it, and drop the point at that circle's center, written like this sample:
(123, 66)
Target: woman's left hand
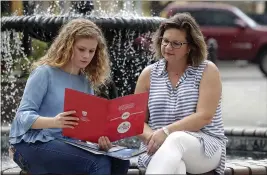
(156, 141)
(104, 143)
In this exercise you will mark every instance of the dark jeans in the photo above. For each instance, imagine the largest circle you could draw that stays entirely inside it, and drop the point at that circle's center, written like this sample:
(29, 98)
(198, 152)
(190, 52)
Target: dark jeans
(55, 157)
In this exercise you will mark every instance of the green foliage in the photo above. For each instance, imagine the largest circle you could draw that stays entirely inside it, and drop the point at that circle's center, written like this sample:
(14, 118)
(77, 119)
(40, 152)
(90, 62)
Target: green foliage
(39, 49)
(20, 64)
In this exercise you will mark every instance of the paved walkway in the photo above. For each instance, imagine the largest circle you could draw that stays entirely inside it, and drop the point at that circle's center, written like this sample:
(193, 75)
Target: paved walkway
(244, 101)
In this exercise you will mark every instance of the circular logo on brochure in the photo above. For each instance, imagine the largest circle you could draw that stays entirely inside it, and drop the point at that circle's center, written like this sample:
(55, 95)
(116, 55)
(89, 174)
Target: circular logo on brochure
(125, 115)
(84, 116)
(124, 127)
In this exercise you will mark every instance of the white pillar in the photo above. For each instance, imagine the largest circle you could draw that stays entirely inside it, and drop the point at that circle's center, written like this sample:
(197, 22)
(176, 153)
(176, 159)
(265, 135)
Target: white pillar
(138, 7)
(260, 6)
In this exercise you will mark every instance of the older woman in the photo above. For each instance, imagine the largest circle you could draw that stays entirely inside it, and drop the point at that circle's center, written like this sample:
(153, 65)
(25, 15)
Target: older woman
(184, 130)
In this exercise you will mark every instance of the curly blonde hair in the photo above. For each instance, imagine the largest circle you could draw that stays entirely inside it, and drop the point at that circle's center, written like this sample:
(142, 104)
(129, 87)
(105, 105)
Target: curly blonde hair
(61, 50)
(183, 21)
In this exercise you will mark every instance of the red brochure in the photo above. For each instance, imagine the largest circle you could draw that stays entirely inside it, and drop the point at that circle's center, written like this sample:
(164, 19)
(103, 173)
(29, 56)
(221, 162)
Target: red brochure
(117, 118)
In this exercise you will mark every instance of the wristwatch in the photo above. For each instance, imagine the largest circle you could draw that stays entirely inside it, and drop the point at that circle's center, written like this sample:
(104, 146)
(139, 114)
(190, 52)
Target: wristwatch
(166, 131)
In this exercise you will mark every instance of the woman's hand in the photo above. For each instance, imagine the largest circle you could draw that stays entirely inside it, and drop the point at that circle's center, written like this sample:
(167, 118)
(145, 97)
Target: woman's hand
(104, 143)
(65, 120)
(156, 141)
(148, 137)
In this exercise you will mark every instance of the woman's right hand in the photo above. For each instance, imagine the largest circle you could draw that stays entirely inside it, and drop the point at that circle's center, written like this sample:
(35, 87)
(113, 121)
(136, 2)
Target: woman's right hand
(104, 143)
(65, 120)
(148, 137)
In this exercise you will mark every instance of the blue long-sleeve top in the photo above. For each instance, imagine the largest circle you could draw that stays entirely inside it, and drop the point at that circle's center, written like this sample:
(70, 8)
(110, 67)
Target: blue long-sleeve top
(44, 96)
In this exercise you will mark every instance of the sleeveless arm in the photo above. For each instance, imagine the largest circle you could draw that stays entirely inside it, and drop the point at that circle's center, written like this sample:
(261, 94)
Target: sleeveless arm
(143, 85)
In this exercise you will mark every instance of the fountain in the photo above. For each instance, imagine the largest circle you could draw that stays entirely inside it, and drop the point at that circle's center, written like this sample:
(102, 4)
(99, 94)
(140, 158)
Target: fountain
(128, 39)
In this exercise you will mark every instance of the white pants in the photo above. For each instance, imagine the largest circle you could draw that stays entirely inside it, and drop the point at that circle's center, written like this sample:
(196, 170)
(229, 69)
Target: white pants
(181, 153)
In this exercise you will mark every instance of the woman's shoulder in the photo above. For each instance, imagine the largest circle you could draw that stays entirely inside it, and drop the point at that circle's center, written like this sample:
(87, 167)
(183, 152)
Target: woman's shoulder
(153, 66)
(42, 68)
(204, 66)
(148, 70)
(206, 70)
(208, 66)
(46, 70)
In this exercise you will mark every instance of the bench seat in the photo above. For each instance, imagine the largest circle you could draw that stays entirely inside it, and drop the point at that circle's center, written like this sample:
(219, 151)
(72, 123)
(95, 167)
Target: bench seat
(246, 167)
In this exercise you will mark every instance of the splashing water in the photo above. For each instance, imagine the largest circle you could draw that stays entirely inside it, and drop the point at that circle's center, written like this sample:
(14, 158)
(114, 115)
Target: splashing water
(116, 8)
(128, 54)
(14, 64)
(127, 11)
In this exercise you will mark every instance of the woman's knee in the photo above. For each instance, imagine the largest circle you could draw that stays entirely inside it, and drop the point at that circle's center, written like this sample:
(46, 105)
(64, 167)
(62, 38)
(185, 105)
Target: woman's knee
(22, 155)
(20, 160)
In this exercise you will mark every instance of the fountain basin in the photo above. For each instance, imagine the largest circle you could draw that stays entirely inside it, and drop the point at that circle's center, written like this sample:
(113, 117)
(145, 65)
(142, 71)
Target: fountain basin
(45, 28)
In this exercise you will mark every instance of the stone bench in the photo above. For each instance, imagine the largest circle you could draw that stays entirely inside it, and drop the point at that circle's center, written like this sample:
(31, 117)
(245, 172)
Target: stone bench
(246, 167)
(239, 139)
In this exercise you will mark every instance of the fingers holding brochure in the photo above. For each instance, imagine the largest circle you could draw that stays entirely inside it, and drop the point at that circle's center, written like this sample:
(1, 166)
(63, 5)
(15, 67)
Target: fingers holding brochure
(65, 120)
(104, 143)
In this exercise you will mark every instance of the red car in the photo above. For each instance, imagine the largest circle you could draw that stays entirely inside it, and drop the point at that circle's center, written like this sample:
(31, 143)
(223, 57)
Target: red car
(237, 35)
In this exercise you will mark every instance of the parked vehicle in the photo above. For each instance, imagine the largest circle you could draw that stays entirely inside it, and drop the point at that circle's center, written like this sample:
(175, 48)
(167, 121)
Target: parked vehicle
(238, 36)
(259, 18)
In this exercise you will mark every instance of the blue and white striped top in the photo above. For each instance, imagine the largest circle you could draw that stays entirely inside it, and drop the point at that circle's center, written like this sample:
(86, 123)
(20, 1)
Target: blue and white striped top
(167, 105)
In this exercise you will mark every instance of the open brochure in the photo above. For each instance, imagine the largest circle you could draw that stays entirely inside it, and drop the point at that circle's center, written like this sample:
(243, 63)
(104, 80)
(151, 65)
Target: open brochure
(117, 118)
(119, 152)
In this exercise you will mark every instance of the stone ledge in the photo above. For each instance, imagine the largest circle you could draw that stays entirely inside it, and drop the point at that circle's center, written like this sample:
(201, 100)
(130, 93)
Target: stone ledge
(229, 131)
(249, 132)
(238, 139)
(248, 167)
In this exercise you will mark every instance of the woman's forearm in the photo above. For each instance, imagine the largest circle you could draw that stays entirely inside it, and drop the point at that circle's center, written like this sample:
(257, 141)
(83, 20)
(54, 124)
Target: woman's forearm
(146, 133)
(43, 122)
(193, 123)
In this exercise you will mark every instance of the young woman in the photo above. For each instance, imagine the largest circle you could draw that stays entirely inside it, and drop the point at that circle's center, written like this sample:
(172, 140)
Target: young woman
(77, 59)
(184, 130)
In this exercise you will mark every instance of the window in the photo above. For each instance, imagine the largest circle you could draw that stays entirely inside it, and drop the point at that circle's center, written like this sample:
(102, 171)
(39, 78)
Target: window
(209, 17)
(221, 18)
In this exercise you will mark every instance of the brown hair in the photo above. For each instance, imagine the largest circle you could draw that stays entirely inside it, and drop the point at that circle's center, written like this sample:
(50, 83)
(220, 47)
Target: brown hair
(184, 21)
(61, 50)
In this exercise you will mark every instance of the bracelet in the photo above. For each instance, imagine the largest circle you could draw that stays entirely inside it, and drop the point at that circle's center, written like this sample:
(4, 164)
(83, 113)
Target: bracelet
(166, 131)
